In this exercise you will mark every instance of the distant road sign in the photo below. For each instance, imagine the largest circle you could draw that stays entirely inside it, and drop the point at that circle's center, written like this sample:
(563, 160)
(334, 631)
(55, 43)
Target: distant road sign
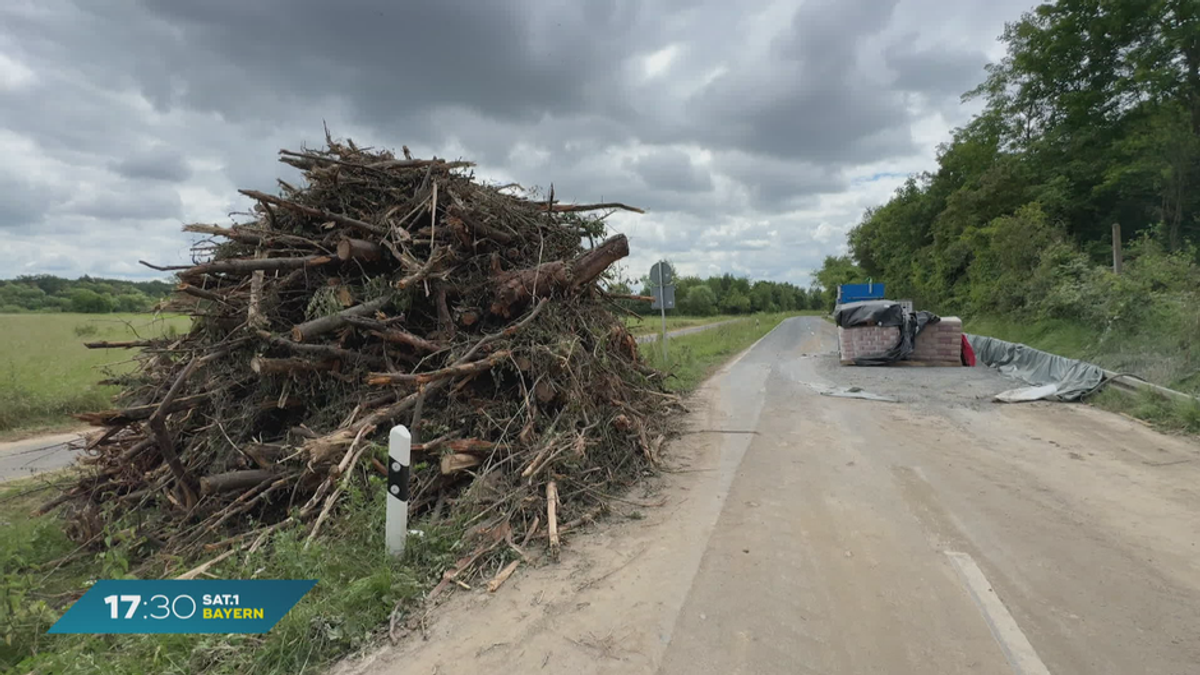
(662, 275)
(664, 297)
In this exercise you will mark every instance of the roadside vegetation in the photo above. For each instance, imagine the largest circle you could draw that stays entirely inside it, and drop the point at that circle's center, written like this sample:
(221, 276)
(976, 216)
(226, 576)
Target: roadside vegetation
(42, 572)
(88, 295)
(652, 324)
(46, 373)
(1090, 120)
(693, 358)
(722, 295)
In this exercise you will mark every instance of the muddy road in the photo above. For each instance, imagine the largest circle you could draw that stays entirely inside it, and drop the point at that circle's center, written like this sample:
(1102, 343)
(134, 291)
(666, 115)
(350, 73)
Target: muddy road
(803, 533)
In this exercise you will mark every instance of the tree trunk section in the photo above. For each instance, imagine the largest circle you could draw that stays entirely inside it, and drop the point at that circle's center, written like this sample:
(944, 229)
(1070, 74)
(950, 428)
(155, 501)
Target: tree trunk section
(543, 280)
(248, 266)
(234, 480)
(288, 366)
(359, 249)
(327, 324)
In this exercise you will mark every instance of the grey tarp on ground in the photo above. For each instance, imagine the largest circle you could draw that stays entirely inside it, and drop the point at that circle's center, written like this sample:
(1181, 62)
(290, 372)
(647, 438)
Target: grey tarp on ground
(1071, 379)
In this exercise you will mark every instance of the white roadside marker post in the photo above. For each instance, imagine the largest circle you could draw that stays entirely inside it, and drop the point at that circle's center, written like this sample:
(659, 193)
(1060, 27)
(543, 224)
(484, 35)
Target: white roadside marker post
(399, 456)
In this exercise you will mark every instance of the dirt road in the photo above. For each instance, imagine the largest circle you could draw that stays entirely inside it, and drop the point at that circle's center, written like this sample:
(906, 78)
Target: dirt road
(805, 533)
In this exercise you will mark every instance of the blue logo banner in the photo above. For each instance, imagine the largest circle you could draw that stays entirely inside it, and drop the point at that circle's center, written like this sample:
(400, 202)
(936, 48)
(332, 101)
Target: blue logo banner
(174, 606)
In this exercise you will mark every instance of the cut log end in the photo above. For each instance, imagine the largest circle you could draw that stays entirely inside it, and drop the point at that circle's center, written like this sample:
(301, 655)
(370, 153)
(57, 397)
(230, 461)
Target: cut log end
(359, 249)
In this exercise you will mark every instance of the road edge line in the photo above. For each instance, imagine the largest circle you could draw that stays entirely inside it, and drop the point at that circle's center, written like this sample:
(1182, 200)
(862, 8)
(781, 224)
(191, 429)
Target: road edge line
(1016, 647)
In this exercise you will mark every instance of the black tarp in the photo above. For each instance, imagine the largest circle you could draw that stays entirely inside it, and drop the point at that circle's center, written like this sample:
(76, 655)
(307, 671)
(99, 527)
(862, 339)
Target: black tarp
(869, 313)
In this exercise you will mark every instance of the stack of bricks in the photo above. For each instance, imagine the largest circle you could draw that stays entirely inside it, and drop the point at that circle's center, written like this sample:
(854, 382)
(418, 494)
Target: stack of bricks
(940, 344)
(866, 341)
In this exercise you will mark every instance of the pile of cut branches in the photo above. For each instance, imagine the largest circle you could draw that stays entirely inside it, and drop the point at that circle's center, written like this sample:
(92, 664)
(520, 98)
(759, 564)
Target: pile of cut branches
(381, 291)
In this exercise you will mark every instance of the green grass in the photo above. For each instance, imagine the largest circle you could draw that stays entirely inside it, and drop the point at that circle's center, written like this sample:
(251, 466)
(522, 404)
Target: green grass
(653, 324)
(694, 357)
(358, 587)
(45, 371)
(29, 589)
(1163, 364)
(1064, 338)
(1165, 414)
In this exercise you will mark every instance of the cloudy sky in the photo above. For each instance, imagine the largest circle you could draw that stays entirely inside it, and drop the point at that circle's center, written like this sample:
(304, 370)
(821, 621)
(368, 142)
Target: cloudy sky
(753, 133)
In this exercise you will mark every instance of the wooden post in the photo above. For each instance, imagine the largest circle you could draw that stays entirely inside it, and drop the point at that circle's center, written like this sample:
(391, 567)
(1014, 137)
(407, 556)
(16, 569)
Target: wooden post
(1116, 244)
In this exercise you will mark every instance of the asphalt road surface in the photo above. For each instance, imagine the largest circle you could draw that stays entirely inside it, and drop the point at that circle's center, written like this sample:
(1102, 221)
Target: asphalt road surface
(803, 533)
(21, 459)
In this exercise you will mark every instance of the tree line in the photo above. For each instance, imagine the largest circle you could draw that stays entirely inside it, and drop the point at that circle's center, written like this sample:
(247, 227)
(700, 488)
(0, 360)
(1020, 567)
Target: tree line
(1091, 119)
(88, 295)
(725, 294)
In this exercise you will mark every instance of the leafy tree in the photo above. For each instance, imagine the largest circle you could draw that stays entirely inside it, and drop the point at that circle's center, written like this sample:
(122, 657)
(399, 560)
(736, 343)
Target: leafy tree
(837, 270)
(762, 297)
(47, 293)
(132, 302)
(736, 302)
(88, 301)
(699, 301)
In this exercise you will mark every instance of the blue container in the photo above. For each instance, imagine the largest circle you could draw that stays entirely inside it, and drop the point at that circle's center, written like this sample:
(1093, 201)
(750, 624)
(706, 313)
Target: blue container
(858, 292)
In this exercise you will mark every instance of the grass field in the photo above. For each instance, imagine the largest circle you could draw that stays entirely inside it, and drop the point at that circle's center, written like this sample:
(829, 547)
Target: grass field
(45, 371)
(653, 324)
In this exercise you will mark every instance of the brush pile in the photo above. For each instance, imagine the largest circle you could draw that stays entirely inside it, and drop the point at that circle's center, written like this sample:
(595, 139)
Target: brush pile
(382, 291)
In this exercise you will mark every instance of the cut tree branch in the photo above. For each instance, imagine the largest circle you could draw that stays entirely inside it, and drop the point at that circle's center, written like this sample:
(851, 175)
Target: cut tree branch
(234, 480)
(319, 350)
(327, 324)
(122, 345)
(574, 208)
(248, 265)
(289, 366)
(106, 418)
(319, 213)
(197, 292)
(166, 445)
(380, 379)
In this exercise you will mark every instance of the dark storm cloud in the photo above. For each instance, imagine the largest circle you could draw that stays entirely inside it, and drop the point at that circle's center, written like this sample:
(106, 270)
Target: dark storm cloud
(134, 205)
(774, 183)
(672, 170)
(746, 122)
(157, 164)
(19, 204)
(946, 72)
(515, 60)
(813, 99)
